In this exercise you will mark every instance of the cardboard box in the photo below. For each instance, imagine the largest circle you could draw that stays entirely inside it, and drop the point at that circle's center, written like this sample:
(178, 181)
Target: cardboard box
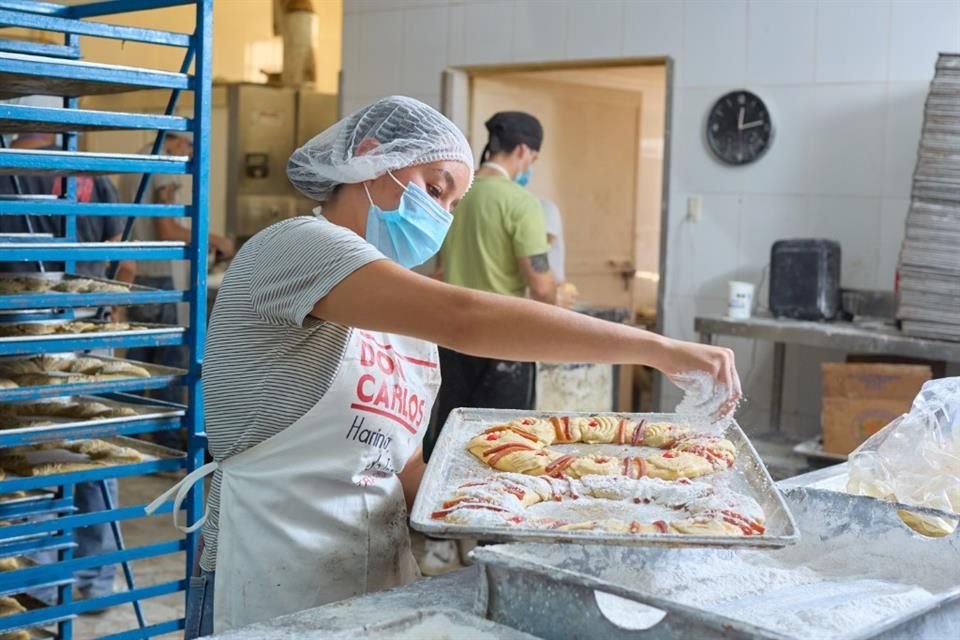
(861, 399)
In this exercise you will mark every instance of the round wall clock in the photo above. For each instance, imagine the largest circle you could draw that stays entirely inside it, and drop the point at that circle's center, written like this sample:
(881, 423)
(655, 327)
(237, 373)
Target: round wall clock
(739, 128)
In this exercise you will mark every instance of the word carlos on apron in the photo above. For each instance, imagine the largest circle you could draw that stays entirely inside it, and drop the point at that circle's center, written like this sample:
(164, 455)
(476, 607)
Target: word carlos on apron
(390, 385)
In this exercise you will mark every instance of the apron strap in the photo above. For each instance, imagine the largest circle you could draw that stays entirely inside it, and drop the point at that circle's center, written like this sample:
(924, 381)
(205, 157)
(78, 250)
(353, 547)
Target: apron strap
(182, 488)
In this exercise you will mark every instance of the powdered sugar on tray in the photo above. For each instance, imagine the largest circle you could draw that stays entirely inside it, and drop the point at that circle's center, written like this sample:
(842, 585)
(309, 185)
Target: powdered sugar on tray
(739, 489)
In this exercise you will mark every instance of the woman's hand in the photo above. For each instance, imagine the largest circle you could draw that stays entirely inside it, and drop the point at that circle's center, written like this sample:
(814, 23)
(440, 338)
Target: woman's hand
(682, 361)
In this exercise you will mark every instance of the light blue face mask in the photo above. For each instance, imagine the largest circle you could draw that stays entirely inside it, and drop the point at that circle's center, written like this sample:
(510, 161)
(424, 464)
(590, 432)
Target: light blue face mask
(523, 179)
(412, 233)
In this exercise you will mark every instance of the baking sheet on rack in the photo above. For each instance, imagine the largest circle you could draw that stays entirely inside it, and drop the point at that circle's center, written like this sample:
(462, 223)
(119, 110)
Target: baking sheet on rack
(149, 451)
(451, 465)
(144, 411)
(155, 370)
(59, 276)
(137, 329)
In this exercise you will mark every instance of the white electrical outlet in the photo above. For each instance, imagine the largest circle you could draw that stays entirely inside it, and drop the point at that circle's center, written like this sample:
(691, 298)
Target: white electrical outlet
(694, 209)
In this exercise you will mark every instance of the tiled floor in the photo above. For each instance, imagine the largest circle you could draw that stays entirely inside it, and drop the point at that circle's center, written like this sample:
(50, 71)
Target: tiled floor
(137, 533)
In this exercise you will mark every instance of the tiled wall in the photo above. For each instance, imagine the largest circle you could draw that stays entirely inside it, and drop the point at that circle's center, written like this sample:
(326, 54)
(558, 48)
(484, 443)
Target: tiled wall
(845, 81)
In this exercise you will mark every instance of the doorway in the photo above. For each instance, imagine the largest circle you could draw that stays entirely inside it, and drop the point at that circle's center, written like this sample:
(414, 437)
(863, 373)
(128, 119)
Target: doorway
(603, 163)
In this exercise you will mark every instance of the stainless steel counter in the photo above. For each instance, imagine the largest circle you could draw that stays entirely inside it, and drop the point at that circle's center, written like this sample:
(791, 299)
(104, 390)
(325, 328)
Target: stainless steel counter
(842, 336)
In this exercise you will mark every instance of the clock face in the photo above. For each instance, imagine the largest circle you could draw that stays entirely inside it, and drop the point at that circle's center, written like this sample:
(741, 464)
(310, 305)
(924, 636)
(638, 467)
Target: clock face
(739, 128)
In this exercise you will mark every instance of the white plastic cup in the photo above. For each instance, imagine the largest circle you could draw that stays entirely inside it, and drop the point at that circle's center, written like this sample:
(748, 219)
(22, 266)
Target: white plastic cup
(740, 303)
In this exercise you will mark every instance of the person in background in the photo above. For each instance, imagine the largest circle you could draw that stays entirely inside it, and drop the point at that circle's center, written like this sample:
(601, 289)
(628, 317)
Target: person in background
(158, 274)
(497, 243)
(96, 582)
(566, 292)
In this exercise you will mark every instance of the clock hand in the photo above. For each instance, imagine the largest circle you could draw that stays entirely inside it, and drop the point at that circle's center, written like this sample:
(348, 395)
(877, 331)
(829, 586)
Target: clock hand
(751, 125)
(740, 120)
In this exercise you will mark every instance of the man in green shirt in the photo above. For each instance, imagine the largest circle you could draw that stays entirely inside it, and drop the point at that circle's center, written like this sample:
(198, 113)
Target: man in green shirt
(497, 243)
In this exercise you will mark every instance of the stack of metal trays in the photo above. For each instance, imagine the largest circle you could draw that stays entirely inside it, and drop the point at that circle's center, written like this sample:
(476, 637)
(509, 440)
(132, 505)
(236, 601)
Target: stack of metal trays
(857, 572)
(451, 466)
(929, 262)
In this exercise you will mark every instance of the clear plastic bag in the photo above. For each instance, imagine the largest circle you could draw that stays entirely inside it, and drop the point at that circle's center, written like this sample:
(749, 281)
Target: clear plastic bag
(915, 460)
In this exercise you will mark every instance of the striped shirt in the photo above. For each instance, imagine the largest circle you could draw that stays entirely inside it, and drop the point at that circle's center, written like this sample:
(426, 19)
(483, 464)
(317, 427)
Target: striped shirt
(268, 362)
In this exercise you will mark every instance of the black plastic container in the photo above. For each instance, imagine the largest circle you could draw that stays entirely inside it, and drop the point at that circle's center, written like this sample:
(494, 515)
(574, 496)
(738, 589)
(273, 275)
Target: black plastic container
(805, 279)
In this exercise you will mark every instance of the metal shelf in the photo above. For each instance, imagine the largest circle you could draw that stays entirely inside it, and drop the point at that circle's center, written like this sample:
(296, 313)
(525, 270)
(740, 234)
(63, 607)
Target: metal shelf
(90, 342)
(14, 483)
(26, 75)
(53, 69)
(28, 301)
(31, 162)
(18, 118)
(23, 394)
(39, 206)
(60, 251)
(93, 430)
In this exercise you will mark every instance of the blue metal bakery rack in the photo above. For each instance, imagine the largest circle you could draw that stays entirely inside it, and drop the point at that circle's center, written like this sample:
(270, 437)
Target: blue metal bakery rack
(43, 516)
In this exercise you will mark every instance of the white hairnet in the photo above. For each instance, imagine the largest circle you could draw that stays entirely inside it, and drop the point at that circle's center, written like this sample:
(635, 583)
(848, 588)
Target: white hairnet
(408, 132)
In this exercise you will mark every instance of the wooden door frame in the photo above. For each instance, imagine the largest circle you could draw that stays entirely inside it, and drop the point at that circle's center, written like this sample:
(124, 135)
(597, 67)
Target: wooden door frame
(456, 91)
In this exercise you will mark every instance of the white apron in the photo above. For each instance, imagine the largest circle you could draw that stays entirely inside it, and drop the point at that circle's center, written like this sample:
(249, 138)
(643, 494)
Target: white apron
(316, 513)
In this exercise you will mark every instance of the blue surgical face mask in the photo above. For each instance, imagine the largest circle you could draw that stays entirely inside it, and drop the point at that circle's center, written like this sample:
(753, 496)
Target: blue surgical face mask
(523, 179)
(412, 233)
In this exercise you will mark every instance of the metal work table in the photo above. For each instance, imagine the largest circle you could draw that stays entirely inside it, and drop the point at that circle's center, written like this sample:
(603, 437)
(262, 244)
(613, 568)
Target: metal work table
(843, 336)
(455, 591)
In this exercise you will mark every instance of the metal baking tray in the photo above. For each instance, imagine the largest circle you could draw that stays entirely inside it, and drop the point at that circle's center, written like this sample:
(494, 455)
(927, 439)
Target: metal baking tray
(10, 499)
(151, 453)
(144, 411)
(451, 465)
(159, 376)
(857, 572)
(60, 276)
(141, 329)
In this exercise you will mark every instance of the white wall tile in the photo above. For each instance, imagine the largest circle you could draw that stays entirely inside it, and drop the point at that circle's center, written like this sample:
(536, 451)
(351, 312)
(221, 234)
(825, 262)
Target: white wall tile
(652, 28)
(703, 256)
(351, 49)
(381, 58)
(357, 6)
(354, 103)
(892, 226)
(853, 39)
(919, 30)
(424, 41)
(456, 26)
(905, 102)
(847, 139)
(781, 43)
(715, 44)
(754, 360)
(681, 310)
(786, 167)
(488, 32)
(594, 29)
(855, 223)
(694, 169)
(766, 219)
(540, 30)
